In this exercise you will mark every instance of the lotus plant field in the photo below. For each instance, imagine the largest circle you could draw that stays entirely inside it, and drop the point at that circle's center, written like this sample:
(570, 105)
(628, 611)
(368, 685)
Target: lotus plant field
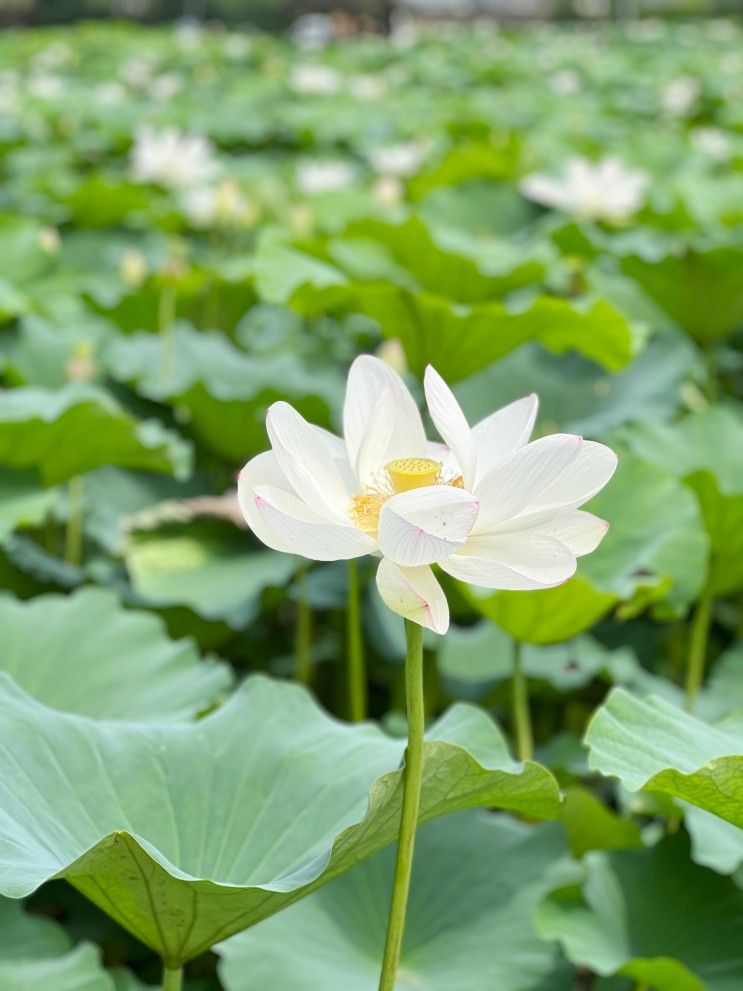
(371, 509)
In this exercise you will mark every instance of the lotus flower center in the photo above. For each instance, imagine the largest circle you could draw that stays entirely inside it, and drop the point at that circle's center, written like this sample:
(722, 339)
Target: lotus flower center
(412, 473)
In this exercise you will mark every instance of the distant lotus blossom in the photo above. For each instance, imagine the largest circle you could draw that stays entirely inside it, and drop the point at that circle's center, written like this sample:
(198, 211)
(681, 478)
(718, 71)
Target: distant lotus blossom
(680, 95)
(315, 80)
(566, 82)
(170, 158)
(711, 141)
(311, 32)
(45, 87)
(110, 93)
(313, 177)
(222, 205)
(401, 159)
(366, 87)
(388, 190)
(237, 46)
(605, 190)
(165, 87)
(138, 71)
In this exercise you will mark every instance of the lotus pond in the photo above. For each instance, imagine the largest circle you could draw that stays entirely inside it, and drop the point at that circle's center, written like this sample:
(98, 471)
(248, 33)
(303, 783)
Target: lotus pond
(203, 738)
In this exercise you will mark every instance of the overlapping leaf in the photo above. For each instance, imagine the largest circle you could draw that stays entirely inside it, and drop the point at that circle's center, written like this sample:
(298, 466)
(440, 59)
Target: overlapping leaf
(86, 654)
(72, 430)
(476, 881)
(653, 745)
(186, 834)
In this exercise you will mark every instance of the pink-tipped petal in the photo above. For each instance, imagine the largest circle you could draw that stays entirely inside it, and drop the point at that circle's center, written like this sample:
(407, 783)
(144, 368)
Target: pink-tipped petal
(414, 594)
(426, 525)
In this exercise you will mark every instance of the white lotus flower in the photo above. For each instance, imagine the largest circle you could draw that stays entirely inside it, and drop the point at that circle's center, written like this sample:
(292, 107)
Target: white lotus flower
(318, 176)
(711, 141)
(315, 80)
(487, 506)
(171, 158)
(401, 159)
(222, 205)
(680, 95)
(604, 190)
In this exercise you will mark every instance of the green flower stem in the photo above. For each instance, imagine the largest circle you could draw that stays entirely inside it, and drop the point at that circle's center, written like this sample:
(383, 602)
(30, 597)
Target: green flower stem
(303, 632)
(356, 667)
(74, 533)
(172, 979)
(410, 804)
(698, 640)
(521, 714)
(166, 318)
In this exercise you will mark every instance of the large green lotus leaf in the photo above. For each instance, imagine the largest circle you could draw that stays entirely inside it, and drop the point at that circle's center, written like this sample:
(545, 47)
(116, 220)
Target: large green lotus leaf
(590, 825)
(86, 654)
(188, 833)
(222, 391)
(704, 449)
(207, 566)
(654, 554)
(577, 395)
(411, 255)
(78, 428)
(78, 970)
(715, 843)
(477, 879)
(460, 340)
(493, 160)
(653, 745)
(37, 953)
(545, 615)
(651, 915)
(23, 501)
(723, 692)
(457, 339)
(700, 288)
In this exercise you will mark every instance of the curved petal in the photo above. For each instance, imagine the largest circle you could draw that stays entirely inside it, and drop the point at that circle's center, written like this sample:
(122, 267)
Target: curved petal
(451, 423)
(586, 475)
(368, 379)
(426, 525)
(263, 469)
(503, 433)
(512, 488)
(581, 532)
(303, 531)
(517, 561)
(415, 594)
(312, 460)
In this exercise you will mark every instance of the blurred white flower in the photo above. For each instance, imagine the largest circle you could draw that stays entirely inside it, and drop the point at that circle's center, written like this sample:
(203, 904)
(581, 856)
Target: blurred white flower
(366, 87)
(237, 46)
(486, 505)
(138, 71)
(48, 240)
(318, 176)
(402, 159)
(165, 87)
(388, 191)
(222, 205)
(9, 83)
(605, 190)
(315, 80)
(109, 94)
(311, 32)
(711, 141)
(45, 87)
(188, 35)
(680, 95)
(566, 82)
(171, 158)
(133, 268)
